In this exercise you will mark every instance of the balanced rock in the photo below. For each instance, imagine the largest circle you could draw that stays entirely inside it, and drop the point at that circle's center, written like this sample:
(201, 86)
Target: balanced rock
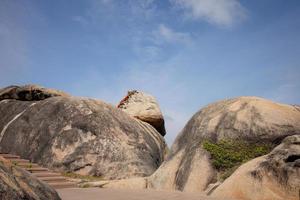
(275, 176)
(143, 107)
(17, 184)
(80, 135)
(252, 120)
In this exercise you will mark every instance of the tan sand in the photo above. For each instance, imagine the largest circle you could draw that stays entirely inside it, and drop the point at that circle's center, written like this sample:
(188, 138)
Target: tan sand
(122, 194)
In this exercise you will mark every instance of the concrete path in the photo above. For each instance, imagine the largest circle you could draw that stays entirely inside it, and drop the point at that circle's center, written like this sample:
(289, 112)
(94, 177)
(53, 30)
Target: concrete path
(118, 194)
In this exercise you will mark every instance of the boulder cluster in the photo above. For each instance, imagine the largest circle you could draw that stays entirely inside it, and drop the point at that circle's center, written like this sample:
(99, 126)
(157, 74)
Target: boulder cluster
(240, 148)
(79, 135)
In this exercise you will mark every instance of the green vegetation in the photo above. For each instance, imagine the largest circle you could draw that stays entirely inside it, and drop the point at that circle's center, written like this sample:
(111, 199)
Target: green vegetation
(228, 155)
(83, 177)
(86, 185)
(15, 163)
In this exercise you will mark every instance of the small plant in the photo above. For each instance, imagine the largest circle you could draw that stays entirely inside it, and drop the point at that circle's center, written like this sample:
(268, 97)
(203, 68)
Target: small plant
(83, 177)
(228, 155)
(15, 163)
(86, 185)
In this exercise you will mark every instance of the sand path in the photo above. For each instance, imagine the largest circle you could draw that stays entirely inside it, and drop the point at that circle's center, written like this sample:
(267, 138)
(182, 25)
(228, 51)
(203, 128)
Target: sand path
(118, 194)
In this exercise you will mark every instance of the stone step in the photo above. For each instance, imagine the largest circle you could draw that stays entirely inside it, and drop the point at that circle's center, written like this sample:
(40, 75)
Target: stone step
(53, 179)
(27, 165)
(45, 174)
(37, 169)
(8, 156)
(60, 185)
(18, 160)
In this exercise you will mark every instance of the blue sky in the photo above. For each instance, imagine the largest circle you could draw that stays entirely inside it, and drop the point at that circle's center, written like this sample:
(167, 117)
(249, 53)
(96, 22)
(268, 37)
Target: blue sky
(187, 53)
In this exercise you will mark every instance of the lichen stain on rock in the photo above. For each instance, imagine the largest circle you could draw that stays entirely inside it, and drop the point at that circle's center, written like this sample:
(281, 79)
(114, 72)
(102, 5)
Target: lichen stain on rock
(61, 149)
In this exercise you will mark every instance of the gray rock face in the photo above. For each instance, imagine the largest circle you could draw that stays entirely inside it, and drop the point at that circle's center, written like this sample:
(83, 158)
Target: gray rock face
(250, 119)
(275, 176)
(143, 107)
(80, 135)
(17, 184)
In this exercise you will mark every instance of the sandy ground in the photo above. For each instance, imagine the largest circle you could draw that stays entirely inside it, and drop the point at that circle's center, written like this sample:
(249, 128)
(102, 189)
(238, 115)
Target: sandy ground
(118, 194)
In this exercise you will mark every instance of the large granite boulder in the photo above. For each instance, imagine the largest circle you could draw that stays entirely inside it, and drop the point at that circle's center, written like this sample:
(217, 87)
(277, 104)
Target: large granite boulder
(275, 176)
(143, 107)
(80, 135)
(17, 184)
(251, 120)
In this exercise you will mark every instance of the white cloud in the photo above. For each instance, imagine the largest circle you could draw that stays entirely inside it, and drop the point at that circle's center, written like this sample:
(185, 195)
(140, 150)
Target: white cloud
(164, 33)
(142, 9)
(219, 12)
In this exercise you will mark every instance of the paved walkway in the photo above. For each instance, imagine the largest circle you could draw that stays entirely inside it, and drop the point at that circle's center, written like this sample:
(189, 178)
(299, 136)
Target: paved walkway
(118, 194)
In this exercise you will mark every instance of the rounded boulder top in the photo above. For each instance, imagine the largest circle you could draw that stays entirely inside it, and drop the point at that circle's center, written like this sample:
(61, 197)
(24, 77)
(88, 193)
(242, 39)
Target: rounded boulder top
(29, 93)
(246, 118)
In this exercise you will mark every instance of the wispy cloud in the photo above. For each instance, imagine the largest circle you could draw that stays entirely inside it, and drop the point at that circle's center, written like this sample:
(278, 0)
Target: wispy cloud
(166, 34)
(145, 8)
(220, 12)
(142, 9)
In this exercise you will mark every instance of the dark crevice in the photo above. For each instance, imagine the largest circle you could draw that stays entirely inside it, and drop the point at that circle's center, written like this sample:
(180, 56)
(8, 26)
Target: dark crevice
(292, 158)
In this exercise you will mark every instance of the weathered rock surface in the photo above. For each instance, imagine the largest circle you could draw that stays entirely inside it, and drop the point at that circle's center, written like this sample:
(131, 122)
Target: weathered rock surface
(143, 107)
(17, 184)
(275, 176)
(29, 93)
(251, 119)
(80, 135)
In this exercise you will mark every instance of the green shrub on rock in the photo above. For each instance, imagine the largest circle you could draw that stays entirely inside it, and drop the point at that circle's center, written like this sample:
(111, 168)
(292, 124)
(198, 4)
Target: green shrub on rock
(228, 155)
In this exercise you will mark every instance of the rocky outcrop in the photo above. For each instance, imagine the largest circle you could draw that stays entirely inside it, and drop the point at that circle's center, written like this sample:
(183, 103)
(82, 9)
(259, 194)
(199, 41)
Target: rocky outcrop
(17, 184)
(29, 93)
(80, 135)
(143, 107)
(275, 176)
(255, 120)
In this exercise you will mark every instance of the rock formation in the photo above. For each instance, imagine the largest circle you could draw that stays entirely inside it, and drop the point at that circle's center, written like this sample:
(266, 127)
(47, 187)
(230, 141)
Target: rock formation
(249, 119)
(90, 137)
(17, 184)
(143, 107)
(29, 93)
(275, 176)
(79, 135)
